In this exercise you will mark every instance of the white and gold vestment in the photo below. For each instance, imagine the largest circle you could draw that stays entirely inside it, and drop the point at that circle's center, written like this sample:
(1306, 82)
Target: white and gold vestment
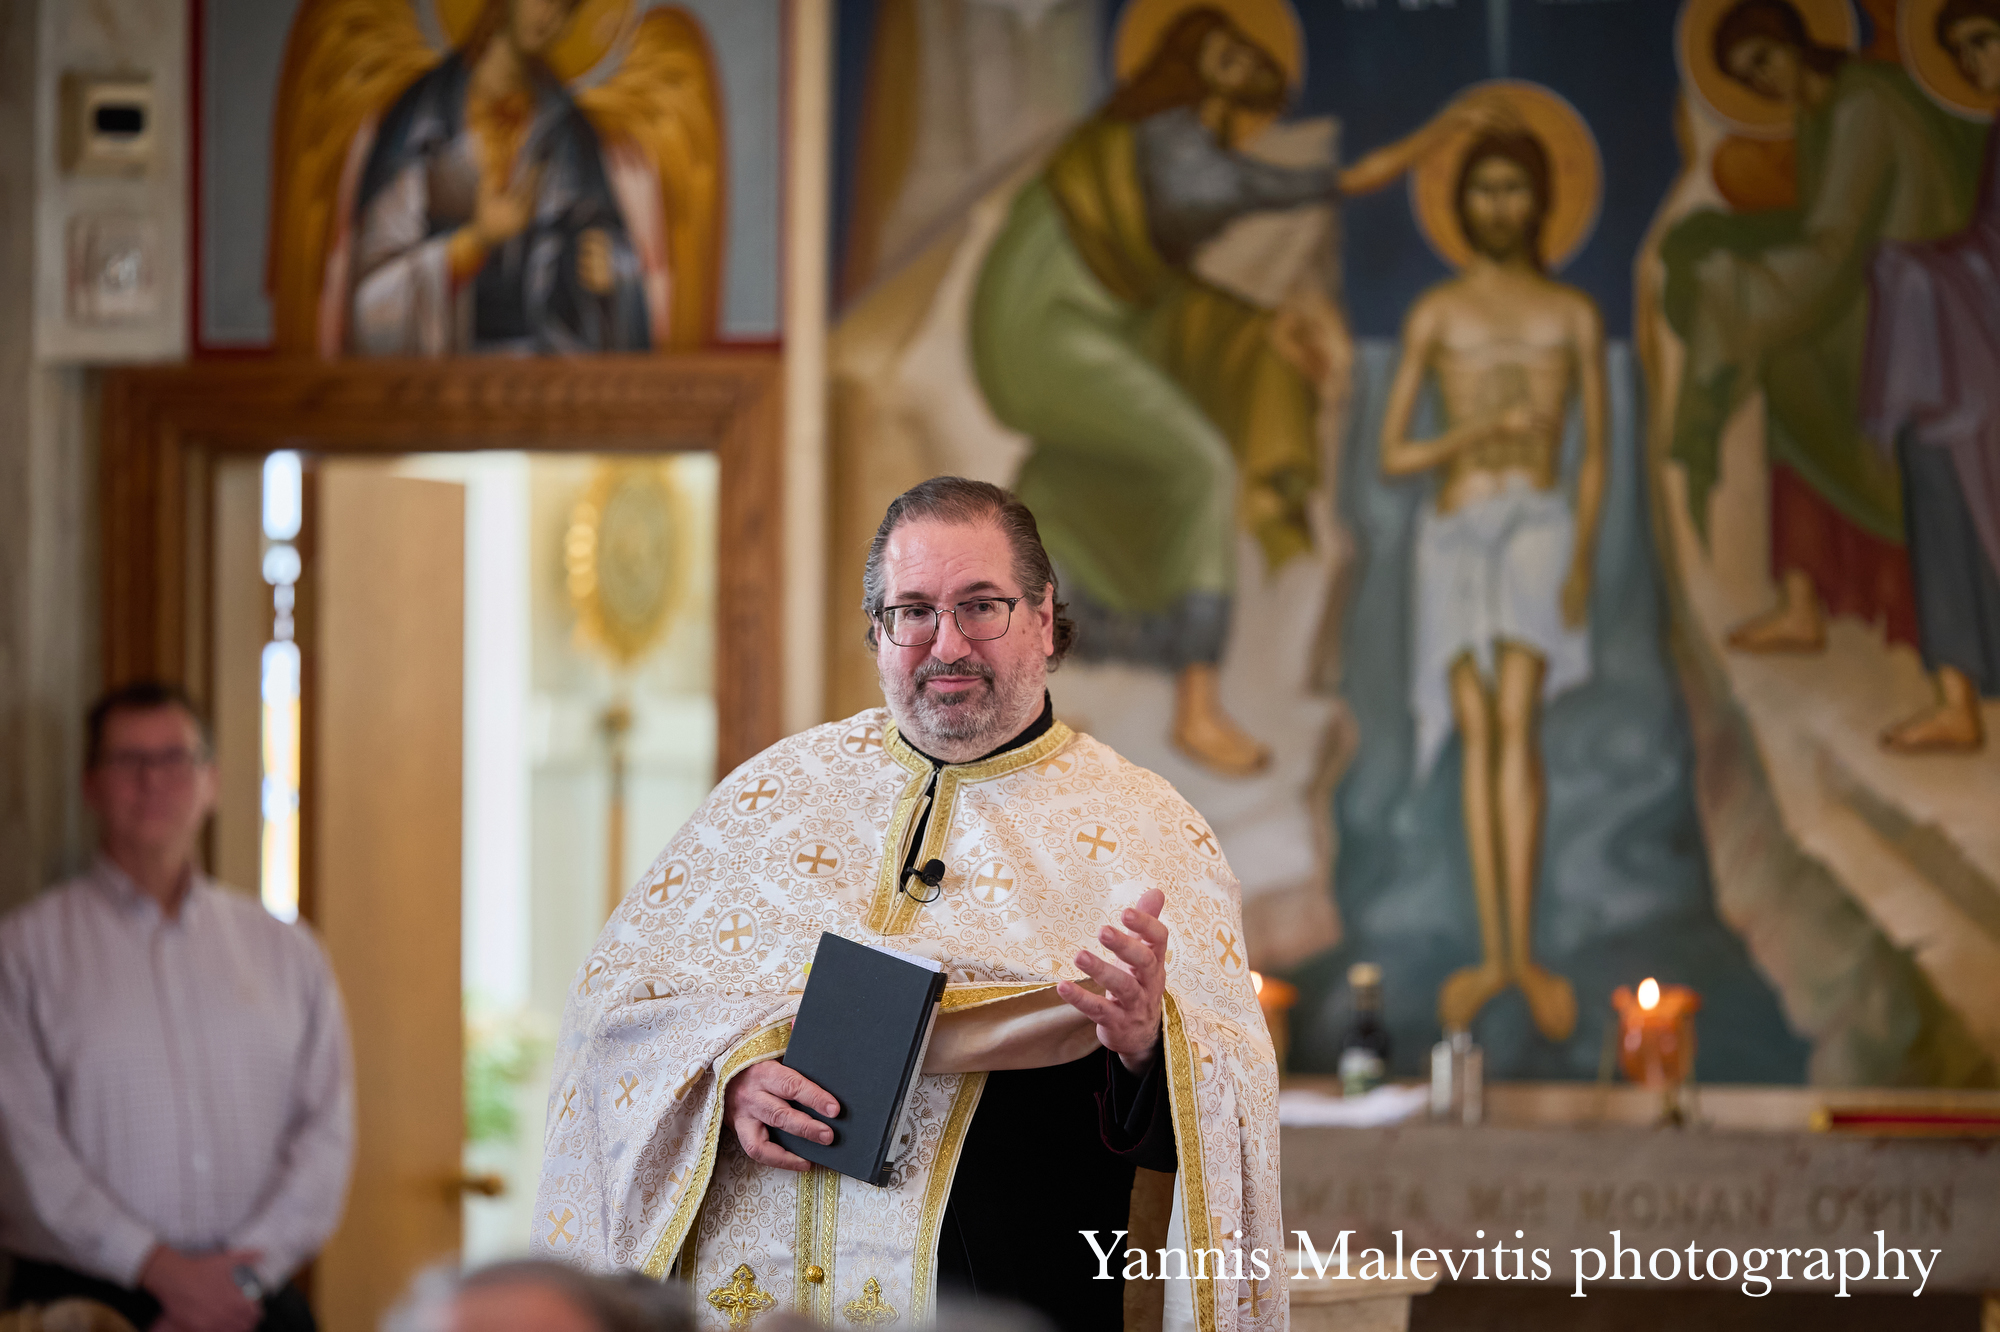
(700, 970)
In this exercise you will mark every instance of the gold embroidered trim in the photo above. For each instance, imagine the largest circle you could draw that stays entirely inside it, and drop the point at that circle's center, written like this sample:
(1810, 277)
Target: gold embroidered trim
(871, 1310)
(770, 1041)
(937, 1191)
(690, 1253)
(819, 1217)
(892, 911)
(882, 905)
(804, 1234)
(1187, 1145)
(977, 996)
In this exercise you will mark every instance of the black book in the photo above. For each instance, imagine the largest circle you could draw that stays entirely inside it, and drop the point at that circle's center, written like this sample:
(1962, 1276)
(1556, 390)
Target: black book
(860, 1034)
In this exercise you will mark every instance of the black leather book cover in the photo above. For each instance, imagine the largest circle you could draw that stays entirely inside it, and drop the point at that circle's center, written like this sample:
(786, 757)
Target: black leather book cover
(860, 1032)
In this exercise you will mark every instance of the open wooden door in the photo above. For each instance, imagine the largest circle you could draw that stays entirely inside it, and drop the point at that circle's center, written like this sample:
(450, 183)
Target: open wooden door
(387, 672)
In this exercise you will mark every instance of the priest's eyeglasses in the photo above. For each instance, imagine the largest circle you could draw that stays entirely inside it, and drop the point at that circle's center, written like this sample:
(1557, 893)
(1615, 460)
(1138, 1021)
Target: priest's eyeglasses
(979, 619)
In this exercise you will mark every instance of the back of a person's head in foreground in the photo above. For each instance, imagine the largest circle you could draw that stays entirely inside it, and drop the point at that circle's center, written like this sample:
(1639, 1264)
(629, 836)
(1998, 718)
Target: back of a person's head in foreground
(538, 1295)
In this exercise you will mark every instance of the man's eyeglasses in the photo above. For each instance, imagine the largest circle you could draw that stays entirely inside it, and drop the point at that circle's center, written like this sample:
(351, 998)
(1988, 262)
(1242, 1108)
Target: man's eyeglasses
(979, 619)
(176, 764)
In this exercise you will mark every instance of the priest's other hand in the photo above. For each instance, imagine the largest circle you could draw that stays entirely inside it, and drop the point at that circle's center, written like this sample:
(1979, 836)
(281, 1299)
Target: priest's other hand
(1127, 1014)
(196, 1291)
(757, 1101)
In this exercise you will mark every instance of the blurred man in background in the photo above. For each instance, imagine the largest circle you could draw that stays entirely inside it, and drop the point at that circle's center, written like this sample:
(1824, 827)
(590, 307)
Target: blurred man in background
(176, 1097)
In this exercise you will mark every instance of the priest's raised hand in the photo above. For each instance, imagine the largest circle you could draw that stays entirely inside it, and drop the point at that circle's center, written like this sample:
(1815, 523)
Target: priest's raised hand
(1127, 1014)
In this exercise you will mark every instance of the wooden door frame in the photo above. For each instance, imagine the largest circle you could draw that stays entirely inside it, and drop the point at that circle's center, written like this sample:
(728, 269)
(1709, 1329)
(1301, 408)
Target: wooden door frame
(163, 428)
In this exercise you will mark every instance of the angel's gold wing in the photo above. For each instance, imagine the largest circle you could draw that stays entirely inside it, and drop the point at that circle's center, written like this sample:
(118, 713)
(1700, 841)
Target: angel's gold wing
(663, 99)
(345, 61)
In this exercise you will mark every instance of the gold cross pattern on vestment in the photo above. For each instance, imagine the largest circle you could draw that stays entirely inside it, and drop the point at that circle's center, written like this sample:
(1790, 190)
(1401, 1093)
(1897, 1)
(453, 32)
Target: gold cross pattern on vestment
(560, 1227)
(870, 1310)
(817, 861)
(735, 928)
(755, 795)
(994, 883)
(1098, 838)
(670, 884)
(740, 1298)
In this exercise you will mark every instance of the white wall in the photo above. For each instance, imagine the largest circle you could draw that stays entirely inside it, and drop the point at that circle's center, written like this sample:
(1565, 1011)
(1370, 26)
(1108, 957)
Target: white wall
(48, 534)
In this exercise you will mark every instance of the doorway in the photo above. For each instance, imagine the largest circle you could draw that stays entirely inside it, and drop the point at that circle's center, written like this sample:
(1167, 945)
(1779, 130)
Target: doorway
(512, 657)
(402, 600)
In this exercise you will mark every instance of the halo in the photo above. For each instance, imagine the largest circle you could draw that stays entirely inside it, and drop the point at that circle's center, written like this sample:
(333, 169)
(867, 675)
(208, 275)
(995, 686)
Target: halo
(592, 29)
(1576, 175)
(1933, 67)
(1272, 24)
(1828, 22)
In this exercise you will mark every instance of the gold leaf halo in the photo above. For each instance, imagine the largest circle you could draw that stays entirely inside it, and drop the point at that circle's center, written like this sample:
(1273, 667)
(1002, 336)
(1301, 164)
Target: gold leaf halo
(593, 29)
(1272, 24)
(1829, 22)
(1576, 175)
(625, 557)
(1933, 67)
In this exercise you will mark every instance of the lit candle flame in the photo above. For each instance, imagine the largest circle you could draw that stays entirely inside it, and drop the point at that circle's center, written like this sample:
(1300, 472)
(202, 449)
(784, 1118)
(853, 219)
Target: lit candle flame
(1257, 981)
(1649, 994)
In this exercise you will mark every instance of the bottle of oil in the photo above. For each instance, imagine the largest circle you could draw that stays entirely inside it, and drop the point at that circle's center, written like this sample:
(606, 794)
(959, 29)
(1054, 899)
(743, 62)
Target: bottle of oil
(1364, 1055)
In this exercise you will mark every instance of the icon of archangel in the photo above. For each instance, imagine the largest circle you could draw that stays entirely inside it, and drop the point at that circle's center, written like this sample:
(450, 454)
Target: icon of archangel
(544, 177)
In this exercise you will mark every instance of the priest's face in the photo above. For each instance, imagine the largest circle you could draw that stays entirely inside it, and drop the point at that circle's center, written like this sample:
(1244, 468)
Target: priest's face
(956, 698)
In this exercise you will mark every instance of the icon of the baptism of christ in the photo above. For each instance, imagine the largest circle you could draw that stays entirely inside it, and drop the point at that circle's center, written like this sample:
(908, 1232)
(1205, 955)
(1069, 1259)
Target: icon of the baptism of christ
(1450, 425)
(495, 176)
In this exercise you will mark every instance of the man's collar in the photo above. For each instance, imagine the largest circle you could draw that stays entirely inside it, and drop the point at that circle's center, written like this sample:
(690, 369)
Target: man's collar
(1035, 730)
(118, 885)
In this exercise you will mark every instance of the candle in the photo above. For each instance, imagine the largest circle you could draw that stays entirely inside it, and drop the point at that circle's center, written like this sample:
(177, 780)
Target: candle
(1276, 998)
(1656, 1032)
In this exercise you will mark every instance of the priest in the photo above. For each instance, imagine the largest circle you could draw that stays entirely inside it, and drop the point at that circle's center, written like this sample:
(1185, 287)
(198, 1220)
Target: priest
(1099, 1015)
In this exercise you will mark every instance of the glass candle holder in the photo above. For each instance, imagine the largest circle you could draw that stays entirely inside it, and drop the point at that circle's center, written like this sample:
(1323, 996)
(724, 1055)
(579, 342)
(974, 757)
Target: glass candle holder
(1656, 1039)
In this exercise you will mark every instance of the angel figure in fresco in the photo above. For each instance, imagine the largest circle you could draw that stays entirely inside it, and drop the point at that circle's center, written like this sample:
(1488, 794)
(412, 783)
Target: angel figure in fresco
(1778, 301)
(1503, 555)
(1165, 412)
(432, 204)
(1931, 395)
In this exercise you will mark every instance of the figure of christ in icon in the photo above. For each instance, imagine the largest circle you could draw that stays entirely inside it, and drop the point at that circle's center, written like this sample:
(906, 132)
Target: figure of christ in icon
(467, 201)
(1503, 559)
(1167, 414)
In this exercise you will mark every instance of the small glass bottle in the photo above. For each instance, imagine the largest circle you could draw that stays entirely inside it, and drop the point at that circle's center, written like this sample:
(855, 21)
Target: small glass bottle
(1470, 1064)
(1445, 1080)
(1364, 1055)
(1458, 1079)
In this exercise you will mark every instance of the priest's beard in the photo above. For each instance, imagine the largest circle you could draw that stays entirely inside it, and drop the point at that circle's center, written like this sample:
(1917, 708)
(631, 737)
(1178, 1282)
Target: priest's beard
(967, 724)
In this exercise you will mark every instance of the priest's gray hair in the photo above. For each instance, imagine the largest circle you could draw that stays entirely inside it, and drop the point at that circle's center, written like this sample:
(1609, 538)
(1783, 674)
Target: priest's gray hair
(962, 502)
